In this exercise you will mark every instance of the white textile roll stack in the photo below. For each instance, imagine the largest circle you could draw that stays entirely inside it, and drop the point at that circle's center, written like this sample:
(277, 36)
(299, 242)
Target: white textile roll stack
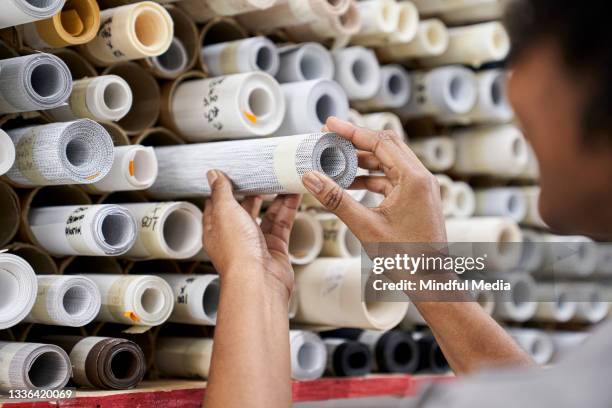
(507, 202)
(463, 200)
(16, 12)
(568, 256)
(18, 288)
(134, 168)
(519, 304)
(306, 239)
(385, 121)
(394, 91)
(305, 62)
(379, 18)
(555, 303)
(338, 240)
(358, 72)
(240, 56)
(430, 39)
(492, 105)
(437, 153)
(196, 298)
(537, 343)
(533, 217)
(7, 152)
(308, 355)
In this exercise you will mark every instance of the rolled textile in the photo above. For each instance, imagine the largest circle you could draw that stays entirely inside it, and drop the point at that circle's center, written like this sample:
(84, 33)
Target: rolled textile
(379, 18)
(475, 10)
(506, 202)
(233, 106)
(183, 357)
(358, 72)
(492, 105)
(280, 163)
(532, 251)
(446, 195)
(537, 343)
(308, 355)
(33, 82)
(69, 300)
(103, 362)
(18, 288)
(496, 151)
(79, 152)
(591, 306)
(330, 295)
(347, 358)
(520, 303)
(532, 198)
(305, 62)
(310, 103)
(7, 152)
(140, 300)
(94, 230)
(568, 256)
(437, 153)
(104, 98)
(431, 38)
(32, 366)
(431, 358)
(340, 27)
(385, 121)
(204, 10)
(134, 31)
(16, 12)
(240, 56)
(196, 298)
(394, 91)
(428, 7)
(473, 45)
(77, 23)
(306, 239)
(555, 303)
(338, 240)
(463, 200)
(407, 25)
(169, 230)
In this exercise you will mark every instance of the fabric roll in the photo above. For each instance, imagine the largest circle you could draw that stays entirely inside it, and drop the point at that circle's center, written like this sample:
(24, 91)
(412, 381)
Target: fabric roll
(103, 362)
(280, 163)
(537, 343)
(306, 239)
(72, 301)
(492, 105)
(568, 256)
(520, 303)
(407, 25)
(338, 240)
(385, 121)
(32, 366)
(18, 288)
(358, 72)
(338, 27)
(305, 62)
(240, 56)
(566, 342)
(204, 10)
(506, 202)
(592, 306)
(431, 38)
(183, 357)
(196, 298)
(347, 358)
(16, 12)
(79, 152)
(555, 303)
(7, 152)
(532, 251)
(308, 355)
(604, 259)
(379, 18)
(77, 23)
(139, 300)
(475, 11)
(169, 230)
(446, 194)
(134, 31)
(429, 7)
(463, 200)
(437, 153)
(173, 62)
(431, 358)
(310, 103)
(533, 217)
(33, 82)
(233, 106)
(394, 91)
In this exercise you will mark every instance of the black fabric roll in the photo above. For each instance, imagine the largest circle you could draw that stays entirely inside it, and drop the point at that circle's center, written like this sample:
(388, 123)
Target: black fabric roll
(431, 358)
(396, 352)
(351, 359)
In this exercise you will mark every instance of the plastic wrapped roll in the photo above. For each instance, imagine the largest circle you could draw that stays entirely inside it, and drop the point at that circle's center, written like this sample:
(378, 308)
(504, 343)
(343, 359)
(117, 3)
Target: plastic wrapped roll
(592, 306)
(394, 91)
(537, 343)
(492, 105)
(234, 106)
(506, 202)
(196, 298)
(496, 151)
(446, 184)
(305, 62)
(568, 256)
(103, 362)
(134, 168)
(140, 300)
(520, 303)
(431, 358)
(385, 121)
(65, 301)
(77, 23)
(280, 162)
(555, 303)
(18, 287)
(79, 152)
(431, 38)
(105, 98)
(436, 153)
(308, 355)
(532, 251)
(330, 296)
(379, 18)
(7, 152)
(33, 82)
(306, 239)
(340, 26)
(338, 240)
(358, 72)
(240, 56)
(532, 198)
(93, 230)
(204, 10)
(31, 366)
(347, 358)
(183, 357)
(16, 12)
(463, 200)
(310, 103)
(473, 45)
(130, 32)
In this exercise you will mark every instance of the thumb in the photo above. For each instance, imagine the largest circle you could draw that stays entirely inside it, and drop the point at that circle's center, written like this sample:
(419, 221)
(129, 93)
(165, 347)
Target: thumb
(220, 187)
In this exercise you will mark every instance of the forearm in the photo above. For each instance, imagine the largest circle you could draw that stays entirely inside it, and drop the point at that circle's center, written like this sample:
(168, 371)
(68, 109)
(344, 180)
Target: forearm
(250, 364)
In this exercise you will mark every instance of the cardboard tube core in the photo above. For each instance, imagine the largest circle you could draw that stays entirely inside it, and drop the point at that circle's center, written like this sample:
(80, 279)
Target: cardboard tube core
(79, 66)
(10, 209)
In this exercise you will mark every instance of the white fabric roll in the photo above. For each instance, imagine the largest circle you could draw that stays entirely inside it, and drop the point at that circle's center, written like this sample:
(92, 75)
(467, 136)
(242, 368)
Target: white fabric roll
(463, 200)
(385, 121)
(394, 91)
(329, 295)
(306, 239)
(476, 10)
(232, 106)
(537, 343)
(31, 366)
(310, 103)
(134, 168)
(338, 241)
(203, 10)
(79, 152)
(407, 25)
(568, 256)
(17, 12)
(339, 27)
(139, 300)
(379, 18)
(496, 151)
(492, 105)
(183, 357)
(106, 98)
(169, 230)
(437, 153)
(18, 288)
(7, 152)
(308, 355)
(446, 195)
(555, 303)
(240, 56)
(519, 304)
(592, 307)
(566, 342)
(196, 298)
(506, 202)
(604, 259)
(305, 62)
(428, 7)
(69, 300)
(358, 72)
(532, 198)
(93, 230)
(430, 39)
(174, 61)
(532, 251)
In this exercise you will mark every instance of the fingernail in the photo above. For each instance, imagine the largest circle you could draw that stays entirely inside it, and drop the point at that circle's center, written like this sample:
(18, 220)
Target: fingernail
(312, 183)
(212, 177)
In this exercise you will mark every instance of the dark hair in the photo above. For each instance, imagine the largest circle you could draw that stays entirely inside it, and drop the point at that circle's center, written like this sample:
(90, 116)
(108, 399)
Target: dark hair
(583, 33)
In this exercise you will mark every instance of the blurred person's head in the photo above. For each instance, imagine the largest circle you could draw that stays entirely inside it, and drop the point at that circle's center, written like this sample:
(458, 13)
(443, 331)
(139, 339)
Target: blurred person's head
(561, 90)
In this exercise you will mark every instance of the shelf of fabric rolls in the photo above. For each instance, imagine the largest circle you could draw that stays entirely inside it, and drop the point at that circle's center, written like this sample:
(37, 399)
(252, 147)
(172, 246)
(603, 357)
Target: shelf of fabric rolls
(111, 122)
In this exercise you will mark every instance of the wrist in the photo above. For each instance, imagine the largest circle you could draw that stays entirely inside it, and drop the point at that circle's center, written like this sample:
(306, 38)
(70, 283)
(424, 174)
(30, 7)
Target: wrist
(255, 279)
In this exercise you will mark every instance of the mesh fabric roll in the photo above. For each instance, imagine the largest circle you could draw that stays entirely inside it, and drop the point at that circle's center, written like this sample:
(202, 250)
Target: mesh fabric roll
(15, 12)
(258, 166)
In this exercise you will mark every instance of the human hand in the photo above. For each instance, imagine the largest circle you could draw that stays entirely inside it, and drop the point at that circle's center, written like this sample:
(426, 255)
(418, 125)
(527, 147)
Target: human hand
(233, 240)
